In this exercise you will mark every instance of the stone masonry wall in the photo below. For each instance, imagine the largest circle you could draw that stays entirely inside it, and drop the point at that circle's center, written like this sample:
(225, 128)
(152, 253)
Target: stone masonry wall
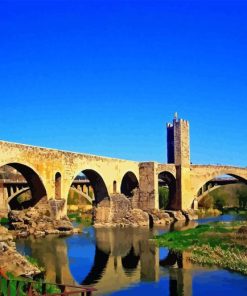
(148, 186)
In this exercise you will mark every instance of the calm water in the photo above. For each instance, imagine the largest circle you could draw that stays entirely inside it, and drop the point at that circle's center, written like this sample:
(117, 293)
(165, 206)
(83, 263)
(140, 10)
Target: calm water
(124, 262)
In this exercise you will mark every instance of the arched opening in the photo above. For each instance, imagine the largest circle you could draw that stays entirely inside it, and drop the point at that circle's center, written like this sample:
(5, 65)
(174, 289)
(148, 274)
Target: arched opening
(130, 262)
(224, 192)
(151, 221)
(87, 189)
(20, 187)
(128, 184)
(58, 185)
(167, 191)
(114, 186)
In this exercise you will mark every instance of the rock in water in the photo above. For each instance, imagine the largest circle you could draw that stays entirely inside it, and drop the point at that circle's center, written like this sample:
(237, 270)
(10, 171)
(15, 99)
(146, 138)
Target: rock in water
(38, 221)
(10, 260)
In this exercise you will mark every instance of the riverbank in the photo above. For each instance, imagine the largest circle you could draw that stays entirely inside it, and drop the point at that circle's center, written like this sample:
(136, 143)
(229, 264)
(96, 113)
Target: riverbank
(220, 244)
(205, 213)
(10, 260)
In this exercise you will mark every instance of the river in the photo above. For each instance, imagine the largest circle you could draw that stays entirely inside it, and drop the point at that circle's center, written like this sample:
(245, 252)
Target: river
(123, 261)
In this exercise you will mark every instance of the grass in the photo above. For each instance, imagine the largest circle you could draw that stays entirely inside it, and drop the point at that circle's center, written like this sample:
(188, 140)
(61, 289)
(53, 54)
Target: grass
(4, 221)
(212, 244)
(35, 262)
(78, 217)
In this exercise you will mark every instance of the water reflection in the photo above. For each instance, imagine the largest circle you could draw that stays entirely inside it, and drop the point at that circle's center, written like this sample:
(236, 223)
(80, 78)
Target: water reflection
(111, 259)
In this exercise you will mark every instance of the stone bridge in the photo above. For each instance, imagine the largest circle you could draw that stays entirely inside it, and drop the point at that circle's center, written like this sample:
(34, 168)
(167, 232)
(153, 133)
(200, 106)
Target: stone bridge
(50, 173)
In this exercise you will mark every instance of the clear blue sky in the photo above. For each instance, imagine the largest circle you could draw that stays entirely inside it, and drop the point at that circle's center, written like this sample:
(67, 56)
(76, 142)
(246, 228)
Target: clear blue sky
(104, 77)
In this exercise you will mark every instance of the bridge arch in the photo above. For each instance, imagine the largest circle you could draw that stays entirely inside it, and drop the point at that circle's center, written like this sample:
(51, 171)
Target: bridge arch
(58, 179)
(129, 183)
(34, 181)
(114, 186)
(167, 179)
(97, 182)
(198, 194)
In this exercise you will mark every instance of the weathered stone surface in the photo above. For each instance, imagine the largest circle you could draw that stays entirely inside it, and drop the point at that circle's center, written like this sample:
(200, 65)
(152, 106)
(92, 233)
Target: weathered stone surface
(39, 233)
(117, 211)
(176, 215)
(62, 225)
(160, 217)
(52, 231)
(138, 217)
(38, 222)
(77, 230)
(190, 215)
(102, 213)
(10, 260)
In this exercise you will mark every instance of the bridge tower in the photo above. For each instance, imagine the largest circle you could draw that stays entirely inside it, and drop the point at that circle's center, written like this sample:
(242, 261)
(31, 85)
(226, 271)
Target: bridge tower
(178, 152)
(178, 142)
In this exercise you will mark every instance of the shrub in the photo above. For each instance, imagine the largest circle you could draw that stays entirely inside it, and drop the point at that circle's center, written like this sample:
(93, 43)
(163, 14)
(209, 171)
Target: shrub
(163, 197)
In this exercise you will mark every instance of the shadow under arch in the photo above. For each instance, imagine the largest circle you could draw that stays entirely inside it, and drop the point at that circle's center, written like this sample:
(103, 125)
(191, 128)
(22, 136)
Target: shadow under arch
(97, 182)
(129, 183)
(34, 182)
(167, 179)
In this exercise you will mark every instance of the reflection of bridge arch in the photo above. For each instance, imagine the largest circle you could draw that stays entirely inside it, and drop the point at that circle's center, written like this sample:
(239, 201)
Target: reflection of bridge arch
(99, 265)
(173, 258)
(130, 261)
(34, 182)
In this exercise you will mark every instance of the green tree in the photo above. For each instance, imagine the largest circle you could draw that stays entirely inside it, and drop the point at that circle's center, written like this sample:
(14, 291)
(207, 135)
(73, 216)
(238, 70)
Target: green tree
(242, 197)
(163, 197)
(207, 202)
(219, 202)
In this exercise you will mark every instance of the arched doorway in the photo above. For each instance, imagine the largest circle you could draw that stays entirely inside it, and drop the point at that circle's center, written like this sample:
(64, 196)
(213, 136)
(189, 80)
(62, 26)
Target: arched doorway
(20, 187)
(167, 191)
(128, 184)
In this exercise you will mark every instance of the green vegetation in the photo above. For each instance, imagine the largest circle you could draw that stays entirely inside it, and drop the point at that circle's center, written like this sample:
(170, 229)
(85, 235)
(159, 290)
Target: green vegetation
(73, 199)
(4, 221)
(23, 286)
(202, 213)
(212, 244)
(232, 195)
(242, 197)
(86, 220)
(163, 197)
(35, 262)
